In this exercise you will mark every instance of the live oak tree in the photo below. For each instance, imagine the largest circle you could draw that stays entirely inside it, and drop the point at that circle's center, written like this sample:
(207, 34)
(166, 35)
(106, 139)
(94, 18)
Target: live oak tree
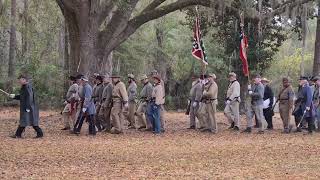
(97, 27)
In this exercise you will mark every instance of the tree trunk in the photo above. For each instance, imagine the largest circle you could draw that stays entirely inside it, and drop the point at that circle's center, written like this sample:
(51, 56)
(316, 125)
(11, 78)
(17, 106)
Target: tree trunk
(160, 63)
(12, 47)
(66, 66)
(316, 63)
(24, 37)
(96, 28)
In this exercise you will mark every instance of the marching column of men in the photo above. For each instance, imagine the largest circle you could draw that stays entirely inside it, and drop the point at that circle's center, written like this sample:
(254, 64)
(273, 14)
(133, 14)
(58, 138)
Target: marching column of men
(103, 105)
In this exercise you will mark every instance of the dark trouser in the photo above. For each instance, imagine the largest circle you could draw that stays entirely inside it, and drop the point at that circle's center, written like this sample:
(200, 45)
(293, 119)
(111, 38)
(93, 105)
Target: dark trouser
(97, 122)
(309, 120)
(36, 128)
(268, 116)
(154, 116)
(92, 127)
(79, 123)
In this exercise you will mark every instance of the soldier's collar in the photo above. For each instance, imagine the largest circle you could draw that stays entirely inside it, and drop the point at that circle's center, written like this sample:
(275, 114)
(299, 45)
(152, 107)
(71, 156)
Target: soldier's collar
(116, 82)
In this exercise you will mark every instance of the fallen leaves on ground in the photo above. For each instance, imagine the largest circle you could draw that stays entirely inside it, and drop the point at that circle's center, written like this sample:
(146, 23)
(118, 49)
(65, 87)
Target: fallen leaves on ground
(177, 154)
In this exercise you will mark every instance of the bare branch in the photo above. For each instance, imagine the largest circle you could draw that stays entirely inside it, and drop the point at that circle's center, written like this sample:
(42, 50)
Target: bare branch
(154, 4)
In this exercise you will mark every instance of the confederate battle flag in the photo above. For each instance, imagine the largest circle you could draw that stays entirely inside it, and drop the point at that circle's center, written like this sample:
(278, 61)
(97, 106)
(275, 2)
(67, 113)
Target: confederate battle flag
(243, 53)
(197, 47)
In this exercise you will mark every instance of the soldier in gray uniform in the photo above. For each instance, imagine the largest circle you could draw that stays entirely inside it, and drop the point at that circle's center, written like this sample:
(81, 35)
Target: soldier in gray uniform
(195, 99)
(145, 97)
(88, 109)
(132, 94)
(97, 98)
(106, 104)
(256, 93)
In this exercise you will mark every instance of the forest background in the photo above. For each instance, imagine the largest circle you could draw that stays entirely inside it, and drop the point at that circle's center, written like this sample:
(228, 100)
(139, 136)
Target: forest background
(283, 47)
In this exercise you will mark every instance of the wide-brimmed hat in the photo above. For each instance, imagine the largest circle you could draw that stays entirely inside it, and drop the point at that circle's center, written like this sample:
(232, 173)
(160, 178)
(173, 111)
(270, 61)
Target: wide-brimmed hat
(212, 75)
(303, 78)
(79, 76)
(232, 74)
(157, 77)
(115, 76)
(100, 77)
(131, 76)
(265, 80)
(143, 77)
(316, 78)
(84, 78)
(72, 78)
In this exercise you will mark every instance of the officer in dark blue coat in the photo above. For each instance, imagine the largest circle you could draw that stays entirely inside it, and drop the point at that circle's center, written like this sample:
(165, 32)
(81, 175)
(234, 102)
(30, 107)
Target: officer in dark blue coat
(304, 106)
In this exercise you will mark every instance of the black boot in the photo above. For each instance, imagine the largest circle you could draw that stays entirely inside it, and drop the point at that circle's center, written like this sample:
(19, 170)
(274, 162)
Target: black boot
(232, 125)
(18, 132)
(92, 127)
(39, 131)
(248, 130)
(236, 128)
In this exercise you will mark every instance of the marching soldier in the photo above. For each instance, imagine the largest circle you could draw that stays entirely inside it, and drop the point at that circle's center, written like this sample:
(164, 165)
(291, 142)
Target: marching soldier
(132, 93)
(316, 101)
(303, 105)
(207, 111)
(145, 97)
(88, 109)
(29, 112)
(155, 73)
(195, 99)
(285, 99)
(120, 101)
(97, 95)
(155, 105)
(268, 97)
(106, 104)
(256, 93)
(69, 111)
(231, 110)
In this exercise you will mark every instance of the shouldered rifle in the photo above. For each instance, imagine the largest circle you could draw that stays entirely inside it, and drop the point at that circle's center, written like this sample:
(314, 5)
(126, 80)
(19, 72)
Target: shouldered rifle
(4, 92)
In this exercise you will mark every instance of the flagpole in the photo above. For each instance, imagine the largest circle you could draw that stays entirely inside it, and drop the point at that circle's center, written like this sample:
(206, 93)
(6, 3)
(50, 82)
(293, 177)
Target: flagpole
(242, 30)
(203, 65)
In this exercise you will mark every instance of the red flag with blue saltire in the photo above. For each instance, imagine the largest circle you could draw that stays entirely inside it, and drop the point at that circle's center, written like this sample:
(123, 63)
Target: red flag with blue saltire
(243, 53)
(197, 46)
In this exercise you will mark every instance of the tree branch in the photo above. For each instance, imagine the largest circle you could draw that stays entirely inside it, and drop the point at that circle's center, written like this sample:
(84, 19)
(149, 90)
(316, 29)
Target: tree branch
(105, 11)
(153, 5)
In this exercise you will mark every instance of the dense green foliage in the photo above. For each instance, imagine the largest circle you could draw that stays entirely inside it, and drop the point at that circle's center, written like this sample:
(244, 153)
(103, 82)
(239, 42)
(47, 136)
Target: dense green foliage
(44, 58)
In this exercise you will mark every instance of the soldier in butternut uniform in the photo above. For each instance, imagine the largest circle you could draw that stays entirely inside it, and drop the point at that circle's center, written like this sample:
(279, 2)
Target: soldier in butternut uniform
(69, 111)
(132, 93)
(145, 97)
(97, 95)
(209, 105)
(285, 99)
(195, 99)
(155, 73)
(231, 110)
(106, 104)
(120, 101)
(155, 107)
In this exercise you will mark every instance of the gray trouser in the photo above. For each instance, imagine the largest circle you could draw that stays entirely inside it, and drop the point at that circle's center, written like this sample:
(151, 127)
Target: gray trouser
(256, 110)
(193, 114)
(231, 111)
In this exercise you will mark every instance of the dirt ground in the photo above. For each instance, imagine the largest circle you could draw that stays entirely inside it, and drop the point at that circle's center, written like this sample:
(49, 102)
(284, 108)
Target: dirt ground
(177, 154)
